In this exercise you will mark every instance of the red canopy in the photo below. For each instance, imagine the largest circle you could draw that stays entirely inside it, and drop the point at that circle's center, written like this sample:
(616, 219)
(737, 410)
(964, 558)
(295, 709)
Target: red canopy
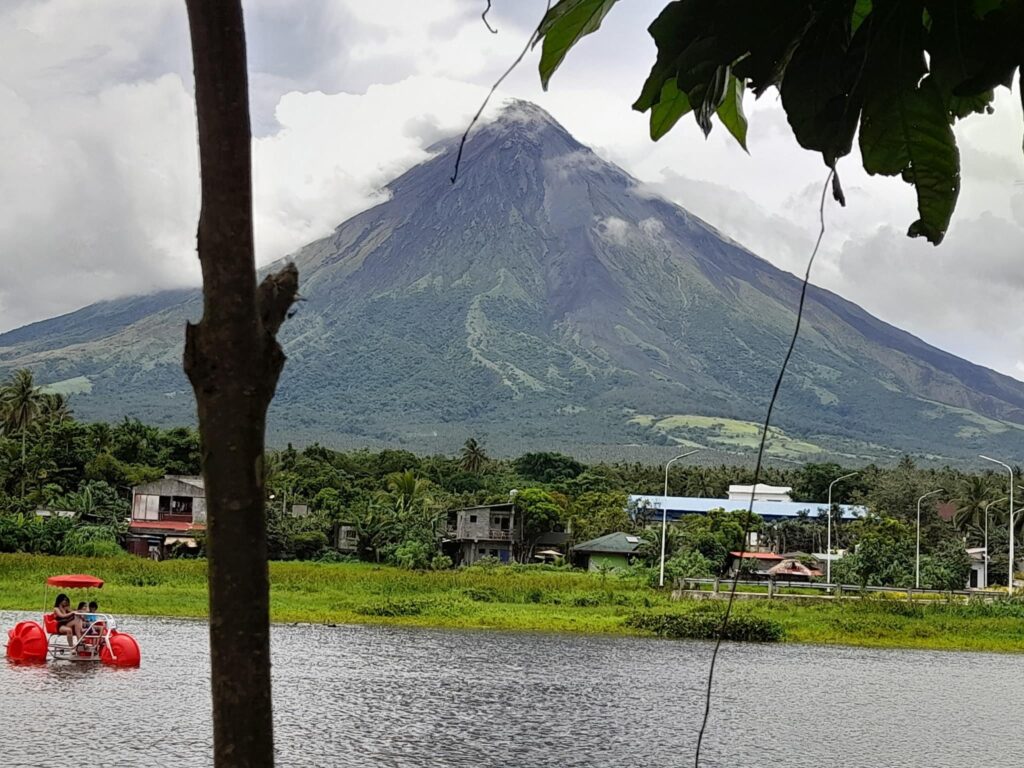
(75, 581)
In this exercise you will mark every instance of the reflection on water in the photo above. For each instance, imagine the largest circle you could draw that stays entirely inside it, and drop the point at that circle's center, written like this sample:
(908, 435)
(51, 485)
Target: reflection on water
(361, 696)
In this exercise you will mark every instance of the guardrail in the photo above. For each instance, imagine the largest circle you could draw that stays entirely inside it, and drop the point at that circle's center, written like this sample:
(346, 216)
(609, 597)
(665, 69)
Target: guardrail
(834, 589)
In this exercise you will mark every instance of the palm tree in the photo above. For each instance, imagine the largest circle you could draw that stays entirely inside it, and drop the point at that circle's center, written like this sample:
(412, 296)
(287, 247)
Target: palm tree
(20, 405)
(54, 407)
(408, 490)
(975, 494)
(474, 458)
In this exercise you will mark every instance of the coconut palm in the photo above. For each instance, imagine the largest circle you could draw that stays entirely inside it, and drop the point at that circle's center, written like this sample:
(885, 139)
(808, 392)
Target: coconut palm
(54, 407)
(474, 458)
(407, 490)
(21, 403)
(974, 495)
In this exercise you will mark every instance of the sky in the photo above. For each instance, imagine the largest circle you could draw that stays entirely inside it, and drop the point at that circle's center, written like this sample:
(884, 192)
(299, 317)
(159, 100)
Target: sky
(100, 190)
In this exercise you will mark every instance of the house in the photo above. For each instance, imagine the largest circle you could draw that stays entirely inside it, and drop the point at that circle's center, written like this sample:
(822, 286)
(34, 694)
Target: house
(613, 550)
(490, 530)
(167, 513)
(979, 571)
(346, 539)
(761, 562)
(793, 569)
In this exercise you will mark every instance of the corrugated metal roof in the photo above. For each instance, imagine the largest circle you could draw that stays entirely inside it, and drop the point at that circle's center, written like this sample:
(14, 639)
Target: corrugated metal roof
(690, 505)
(758, 556)
(618, 543)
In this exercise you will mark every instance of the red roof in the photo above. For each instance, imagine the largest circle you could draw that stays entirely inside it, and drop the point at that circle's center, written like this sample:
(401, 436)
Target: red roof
(165, 525)
(758, 555)
(75, 581)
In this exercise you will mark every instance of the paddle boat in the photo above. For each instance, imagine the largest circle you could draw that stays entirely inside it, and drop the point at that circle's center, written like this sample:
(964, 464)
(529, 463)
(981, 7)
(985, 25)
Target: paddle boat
(32, 641)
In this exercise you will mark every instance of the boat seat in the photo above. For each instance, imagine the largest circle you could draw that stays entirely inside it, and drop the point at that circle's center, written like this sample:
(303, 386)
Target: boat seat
(50, 623)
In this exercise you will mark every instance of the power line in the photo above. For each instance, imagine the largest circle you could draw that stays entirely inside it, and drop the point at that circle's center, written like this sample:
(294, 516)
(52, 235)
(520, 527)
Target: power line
(758, 466)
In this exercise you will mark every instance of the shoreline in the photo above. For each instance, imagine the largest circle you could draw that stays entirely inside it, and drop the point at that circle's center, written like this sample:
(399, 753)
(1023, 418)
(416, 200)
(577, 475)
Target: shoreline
(504, 598)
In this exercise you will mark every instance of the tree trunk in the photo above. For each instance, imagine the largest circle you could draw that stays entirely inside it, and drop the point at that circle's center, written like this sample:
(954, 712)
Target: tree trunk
(233, 361)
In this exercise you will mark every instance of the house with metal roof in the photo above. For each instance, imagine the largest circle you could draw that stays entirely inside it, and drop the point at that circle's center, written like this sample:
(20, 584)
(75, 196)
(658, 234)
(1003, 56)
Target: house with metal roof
(166, 513)
(613, 550)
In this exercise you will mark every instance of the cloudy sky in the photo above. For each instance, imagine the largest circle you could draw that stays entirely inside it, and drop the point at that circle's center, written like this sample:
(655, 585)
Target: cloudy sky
(100, 178)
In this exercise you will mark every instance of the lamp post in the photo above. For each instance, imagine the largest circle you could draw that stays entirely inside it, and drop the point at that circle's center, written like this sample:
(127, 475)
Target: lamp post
(1009, 582)
(917, 556)
(828, 549)
(987, 505)
(664, 513)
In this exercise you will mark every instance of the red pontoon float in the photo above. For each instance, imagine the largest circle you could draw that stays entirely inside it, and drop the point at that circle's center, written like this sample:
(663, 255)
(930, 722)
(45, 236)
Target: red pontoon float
(100, 640)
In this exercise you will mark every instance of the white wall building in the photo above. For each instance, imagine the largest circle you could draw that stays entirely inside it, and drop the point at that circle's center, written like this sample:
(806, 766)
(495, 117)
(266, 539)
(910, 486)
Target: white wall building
(761, 491)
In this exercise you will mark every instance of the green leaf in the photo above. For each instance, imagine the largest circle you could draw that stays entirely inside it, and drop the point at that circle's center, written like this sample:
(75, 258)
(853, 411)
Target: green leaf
(563, 26)
(861, 10)
(905, 131)
(818, 93)
(672, 105)
(674, 30)
(731, 111)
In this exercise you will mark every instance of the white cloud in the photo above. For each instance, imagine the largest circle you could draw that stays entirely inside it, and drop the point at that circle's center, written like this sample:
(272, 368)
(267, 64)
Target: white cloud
(333, 154)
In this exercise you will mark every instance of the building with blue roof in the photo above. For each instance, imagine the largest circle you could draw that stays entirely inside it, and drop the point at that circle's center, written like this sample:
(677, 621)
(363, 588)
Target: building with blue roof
(771, 503)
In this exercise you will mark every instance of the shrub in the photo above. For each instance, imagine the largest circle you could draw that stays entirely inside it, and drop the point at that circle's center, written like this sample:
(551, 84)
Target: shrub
(414, 555)
(392, 608)
(481, 594)
(705, 623)
(440, 563)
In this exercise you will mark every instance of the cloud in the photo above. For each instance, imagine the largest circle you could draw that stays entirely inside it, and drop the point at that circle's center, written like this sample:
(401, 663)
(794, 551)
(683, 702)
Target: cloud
(333, 154)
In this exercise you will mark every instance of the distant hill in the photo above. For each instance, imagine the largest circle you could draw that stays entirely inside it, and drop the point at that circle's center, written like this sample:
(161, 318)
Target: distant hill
(545, 301)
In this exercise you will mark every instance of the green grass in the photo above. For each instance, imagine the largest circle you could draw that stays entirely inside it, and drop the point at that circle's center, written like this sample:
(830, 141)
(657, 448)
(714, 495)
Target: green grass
(499, 598)
(507, 598)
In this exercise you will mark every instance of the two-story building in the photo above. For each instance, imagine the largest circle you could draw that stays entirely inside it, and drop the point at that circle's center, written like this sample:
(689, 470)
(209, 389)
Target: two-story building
(166, 513)
(473, 533)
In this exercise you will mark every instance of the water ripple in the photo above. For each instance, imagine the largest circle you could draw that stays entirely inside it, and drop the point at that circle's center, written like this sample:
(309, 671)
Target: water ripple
(404, 698)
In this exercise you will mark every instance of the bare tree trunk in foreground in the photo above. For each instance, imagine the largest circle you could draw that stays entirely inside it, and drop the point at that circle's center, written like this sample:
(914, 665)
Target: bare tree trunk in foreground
(233, 361)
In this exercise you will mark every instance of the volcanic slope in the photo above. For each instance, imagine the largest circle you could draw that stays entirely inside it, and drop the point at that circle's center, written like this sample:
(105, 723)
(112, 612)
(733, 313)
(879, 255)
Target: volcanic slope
(546, 301)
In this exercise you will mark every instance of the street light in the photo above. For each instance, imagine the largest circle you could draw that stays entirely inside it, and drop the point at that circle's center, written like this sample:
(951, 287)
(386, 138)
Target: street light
(1009, 582)
(917, 557)
(664, 513)
(987, 505)
(828, 560)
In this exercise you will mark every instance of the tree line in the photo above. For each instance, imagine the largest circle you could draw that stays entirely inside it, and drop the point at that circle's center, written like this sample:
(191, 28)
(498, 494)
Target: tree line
(397, 501)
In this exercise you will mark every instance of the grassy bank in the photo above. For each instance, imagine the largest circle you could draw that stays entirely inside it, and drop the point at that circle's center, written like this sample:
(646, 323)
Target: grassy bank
(506, 598)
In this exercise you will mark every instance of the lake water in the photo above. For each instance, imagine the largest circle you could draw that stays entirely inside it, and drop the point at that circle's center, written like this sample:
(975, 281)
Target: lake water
(375, 696)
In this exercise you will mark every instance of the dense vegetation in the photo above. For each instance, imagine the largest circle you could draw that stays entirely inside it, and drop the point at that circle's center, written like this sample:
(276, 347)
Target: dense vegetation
(397, 501)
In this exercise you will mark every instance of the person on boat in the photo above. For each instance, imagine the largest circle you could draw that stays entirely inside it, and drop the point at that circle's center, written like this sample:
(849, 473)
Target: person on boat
(91, 617)
(68, 622)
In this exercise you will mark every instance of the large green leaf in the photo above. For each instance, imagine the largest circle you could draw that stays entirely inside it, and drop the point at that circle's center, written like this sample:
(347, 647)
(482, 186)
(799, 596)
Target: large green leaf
(674, 30)
(731, 111)
(818, 93)
(563, 26)
(672, 105)
(905, 131)
(861, 10)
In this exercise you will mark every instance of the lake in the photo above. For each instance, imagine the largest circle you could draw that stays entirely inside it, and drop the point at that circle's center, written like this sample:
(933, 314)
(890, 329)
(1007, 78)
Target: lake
(365, 696)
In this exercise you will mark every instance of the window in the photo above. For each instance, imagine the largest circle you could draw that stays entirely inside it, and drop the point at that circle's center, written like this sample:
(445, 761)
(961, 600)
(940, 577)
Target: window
(502, 521)
(494, 553)
(472, 518)
(165, 504)
(181, 505)
(482, 552)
